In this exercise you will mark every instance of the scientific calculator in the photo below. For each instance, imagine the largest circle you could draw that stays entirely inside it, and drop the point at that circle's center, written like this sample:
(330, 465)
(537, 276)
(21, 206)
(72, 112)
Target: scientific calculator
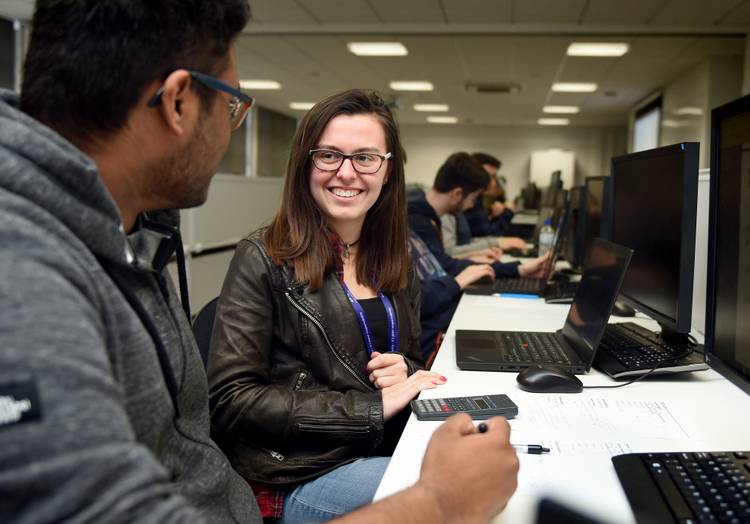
(479, 407)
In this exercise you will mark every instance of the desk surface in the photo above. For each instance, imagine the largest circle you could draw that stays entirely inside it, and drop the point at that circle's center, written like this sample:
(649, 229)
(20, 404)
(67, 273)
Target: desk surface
(696, 411)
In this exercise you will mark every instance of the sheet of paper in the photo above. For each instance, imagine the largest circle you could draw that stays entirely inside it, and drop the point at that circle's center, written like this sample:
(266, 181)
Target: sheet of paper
(602, 420)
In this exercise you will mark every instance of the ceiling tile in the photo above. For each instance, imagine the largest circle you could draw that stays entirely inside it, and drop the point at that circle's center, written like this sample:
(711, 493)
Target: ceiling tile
(619, 12)
(692, 12)
(739, 16)
(340, 11)
(478, 11)
(282, 12)
(409, 11)
(548, 11)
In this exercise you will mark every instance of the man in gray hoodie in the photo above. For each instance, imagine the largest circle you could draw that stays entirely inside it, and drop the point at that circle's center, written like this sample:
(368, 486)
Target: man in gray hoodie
(126, 109)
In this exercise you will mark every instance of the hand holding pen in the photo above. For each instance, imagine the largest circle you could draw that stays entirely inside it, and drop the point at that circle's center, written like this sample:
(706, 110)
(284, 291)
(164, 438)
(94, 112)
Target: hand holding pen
(531, 449)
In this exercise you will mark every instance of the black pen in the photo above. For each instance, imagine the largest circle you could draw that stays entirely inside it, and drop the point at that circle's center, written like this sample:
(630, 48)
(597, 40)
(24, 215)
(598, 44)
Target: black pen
(531, 449)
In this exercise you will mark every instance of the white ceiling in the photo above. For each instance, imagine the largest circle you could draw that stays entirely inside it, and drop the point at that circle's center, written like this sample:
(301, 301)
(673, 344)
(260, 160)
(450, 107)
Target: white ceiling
(302, 44)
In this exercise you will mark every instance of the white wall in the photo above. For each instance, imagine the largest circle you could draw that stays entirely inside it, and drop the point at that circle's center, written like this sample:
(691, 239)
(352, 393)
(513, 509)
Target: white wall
(427, 147)
(236, 206)
(710, 84)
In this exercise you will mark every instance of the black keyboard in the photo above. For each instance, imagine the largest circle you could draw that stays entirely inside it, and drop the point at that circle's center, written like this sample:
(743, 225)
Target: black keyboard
(519, 285)
(532, 347)
(636, 348)
(687, 487)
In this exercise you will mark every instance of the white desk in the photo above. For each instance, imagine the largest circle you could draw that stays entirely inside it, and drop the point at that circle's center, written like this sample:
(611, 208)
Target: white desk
(697, 411)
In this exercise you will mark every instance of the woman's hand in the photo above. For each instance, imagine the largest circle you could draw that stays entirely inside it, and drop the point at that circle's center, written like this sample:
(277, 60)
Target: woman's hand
(387, 369)
(395, 398)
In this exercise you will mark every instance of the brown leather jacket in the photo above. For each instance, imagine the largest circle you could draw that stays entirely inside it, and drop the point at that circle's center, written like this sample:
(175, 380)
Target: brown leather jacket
(290, 397)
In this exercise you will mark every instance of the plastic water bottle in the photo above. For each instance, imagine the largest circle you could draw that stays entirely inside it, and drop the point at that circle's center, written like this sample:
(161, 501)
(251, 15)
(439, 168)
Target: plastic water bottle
(546, 237)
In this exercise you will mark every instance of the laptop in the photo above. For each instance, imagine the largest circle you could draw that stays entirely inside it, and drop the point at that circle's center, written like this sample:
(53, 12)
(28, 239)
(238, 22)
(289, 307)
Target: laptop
(524, 285)
(574, 346)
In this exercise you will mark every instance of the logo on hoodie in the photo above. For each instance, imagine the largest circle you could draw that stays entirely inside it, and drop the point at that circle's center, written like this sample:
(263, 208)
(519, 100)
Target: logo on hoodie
(19, 402)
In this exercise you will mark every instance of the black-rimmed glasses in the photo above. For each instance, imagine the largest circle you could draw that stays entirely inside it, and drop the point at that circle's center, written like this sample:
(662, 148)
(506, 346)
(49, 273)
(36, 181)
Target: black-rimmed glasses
(239, 104)
(363, 163)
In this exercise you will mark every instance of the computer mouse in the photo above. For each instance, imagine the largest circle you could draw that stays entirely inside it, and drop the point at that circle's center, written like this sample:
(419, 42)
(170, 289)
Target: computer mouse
(621, 309)
(539, 379)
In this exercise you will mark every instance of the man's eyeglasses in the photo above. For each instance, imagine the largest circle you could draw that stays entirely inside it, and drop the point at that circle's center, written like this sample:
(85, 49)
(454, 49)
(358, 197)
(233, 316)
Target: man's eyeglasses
(363, 163)
(239, 104)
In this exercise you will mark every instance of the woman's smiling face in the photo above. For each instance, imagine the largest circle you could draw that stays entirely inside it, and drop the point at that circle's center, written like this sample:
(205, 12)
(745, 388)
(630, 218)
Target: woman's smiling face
(343, 195)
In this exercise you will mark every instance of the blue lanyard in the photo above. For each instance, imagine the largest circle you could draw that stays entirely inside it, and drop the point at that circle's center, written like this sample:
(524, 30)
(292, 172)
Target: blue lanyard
(364, 325)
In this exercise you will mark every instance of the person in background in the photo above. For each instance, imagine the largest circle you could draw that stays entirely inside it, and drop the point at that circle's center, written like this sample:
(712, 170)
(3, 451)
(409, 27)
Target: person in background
(458, 183)
(459, 243)
(315, 352)
(126, 109)
(490, 217)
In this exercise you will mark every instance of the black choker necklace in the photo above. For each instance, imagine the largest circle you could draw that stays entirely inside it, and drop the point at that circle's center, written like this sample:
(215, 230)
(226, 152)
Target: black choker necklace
(348, 246)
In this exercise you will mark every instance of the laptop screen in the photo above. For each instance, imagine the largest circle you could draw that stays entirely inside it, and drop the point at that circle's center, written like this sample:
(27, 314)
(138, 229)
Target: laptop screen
(603, 273)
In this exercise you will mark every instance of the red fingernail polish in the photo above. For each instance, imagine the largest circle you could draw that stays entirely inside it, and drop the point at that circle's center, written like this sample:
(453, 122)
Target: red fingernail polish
(445, 379)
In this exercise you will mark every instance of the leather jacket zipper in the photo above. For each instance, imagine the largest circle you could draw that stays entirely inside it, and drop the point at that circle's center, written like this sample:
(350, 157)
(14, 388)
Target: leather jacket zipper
(328, 341)
(322, 427)
(275, 454)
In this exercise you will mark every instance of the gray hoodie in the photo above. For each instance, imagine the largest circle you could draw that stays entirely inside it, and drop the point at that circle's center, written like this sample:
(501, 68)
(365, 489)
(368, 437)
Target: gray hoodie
(90, 428)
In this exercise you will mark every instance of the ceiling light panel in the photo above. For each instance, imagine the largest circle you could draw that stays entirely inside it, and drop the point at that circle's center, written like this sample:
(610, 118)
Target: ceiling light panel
(442, 119)
(574, 87)
(411, 86)
(553, 121)
(301, 106)
(259, 84)
(431, 108)
(602, 49)
(562, 110)
(377, 48)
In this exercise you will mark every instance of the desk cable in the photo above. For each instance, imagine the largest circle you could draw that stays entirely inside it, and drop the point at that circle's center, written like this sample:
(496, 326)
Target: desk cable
(686, 354)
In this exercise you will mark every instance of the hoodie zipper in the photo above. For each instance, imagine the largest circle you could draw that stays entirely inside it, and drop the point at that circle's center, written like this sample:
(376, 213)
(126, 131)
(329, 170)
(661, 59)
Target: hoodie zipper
(328, 340)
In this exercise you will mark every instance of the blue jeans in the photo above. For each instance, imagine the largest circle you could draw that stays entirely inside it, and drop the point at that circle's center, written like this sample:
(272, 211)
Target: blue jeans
(337, 492)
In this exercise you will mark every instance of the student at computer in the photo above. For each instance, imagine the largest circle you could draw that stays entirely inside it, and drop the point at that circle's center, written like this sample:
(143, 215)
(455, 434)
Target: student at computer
(458, 183)
(459, 243)
(316, 340)
(103, 392)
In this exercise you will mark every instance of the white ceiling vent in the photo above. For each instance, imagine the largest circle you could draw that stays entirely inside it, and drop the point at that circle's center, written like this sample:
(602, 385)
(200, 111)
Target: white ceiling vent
(502, 88)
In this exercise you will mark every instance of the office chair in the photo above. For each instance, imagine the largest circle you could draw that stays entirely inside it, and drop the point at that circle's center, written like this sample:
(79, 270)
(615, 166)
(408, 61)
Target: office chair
(203, 326)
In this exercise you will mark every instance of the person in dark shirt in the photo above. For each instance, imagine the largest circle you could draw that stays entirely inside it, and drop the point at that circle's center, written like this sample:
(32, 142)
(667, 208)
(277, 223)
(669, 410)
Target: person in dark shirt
(490, 215)
(457, 185)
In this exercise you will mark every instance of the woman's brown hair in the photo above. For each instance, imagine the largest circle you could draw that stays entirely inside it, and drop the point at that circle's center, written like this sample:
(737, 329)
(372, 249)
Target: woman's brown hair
(299, 235)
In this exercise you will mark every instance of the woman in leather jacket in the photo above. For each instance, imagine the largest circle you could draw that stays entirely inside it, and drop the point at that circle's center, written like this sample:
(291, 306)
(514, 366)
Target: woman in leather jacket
(315, 348)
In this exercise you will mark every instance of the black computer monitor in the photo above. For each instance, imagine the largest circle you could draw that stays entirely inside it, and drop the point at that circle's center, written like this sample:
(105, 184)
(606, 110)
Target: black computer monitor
(727, 344)
(574, 236)
(654, 201)
(550, 194)
(598, 210)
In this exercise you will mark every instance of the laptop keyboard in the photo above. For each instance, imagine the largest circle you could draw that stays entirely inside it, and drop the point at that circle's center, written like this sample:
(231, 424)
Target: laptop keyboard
(532, 347)
(636, 347)
(697, 487)
(518, 285)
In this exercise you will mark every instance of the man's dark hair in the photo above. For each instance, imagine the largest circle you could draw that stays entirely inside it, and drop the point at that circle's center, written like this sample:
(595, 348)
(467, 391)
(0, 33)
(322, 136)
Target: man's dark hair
(89, 61)
(484, 158)
(461, 170)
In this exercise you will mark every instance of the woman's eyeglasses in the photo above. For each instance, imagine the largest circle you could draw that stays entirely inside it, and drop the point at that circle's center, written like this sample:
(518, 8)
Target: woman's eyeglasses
(239, 104)
(363, 163)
